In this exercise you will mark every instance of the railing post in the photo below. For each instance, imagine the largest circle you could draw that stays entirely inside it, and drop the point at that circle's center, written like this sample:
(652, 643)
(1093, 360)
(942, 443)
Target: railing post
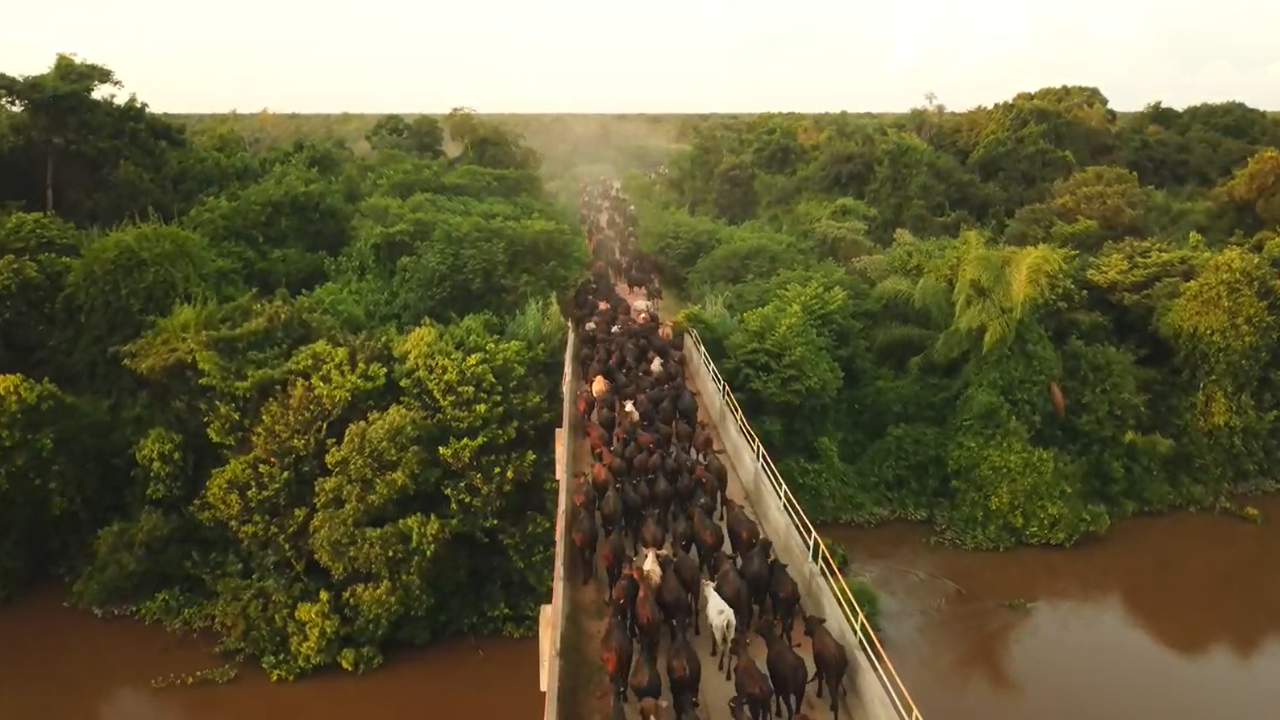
(724, 408)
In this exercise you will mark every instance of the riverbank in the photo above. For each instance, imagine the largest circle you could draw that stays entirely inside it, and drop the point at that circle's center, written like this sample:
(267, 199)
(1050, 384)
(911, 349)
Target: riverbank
(1172, 617)
(62, 664)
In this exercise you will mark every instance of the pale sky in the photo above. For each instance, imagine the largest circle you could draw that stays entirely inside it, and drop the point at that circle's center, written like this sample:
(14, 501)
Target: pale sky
(652, 55)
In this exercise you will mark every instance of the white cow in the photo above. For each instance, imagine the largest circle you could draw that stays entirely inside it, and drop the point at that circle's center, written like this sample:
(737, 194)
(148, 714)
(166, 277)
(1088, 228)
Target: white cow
(722, 621)
(655, 367)
(651, 569)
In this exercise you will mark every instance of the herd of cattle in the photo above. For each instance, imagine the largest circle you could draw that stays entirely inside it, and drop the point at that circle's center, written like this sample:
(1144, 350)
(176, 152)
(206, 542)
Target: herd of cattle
(650, 501)
(609, 221)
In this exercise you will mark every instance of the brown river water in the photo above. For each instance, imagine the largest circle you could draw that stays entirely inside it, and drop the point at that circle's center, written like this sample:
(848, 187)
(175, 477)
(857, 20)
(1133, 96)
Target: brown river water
(60, 664)
(1174, 617)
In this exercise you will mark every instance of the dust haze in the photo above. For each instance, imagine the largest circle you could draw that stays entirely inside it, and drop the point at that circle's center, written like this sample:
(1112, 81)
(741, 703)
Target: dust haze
(574, 147)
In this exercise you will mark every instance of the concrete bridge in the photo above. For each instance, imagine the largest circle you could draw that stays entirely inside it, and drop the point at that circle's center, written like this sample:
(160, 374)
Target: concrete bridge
(571, 625)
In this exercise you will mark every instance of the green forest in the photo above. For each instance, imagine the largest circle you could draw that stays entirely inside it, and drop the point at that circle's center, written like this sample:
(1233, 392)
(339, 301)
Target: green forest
(299, 399)
(1019, 323)
(300, 391)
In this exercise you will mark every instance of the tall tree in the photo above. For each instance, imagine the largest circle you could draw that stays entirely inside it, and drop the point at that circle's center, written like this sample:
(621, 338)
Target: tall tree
(57, 104)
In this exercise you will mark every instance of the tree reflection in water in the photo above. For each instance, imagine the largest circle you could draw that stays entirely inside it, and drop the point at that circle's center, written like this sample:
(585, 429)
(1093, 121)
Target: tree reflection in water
(1183, 604)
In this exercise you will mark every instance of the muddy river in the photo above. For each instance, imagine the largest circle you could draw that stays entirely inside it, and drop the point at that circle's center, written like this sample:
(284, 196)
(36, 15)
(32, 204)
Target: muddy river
(1176, 618)
(59, 664)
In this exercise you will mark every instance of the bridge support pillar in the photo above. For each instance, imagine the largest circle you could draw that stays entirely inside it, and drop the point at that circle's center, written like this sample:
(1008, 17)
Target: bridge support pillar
(546, 638)
(560, 451)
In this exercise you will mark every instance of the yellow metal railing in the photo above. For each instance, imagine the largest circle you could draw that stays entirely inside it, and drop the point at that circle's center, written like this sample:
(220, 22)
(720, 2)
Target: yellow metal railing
(871, 646)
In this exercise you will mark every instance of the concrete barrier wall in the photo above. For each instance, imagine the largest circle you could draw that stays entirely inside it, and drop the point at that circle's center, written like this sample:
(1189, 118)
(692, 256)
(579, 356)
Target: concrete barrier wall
(879, 694)
(551, 623)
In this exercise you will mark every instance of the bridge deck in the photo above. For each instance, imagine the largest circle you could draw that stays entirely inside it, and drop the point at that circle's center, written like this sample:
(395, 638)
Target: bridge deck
(588, 691)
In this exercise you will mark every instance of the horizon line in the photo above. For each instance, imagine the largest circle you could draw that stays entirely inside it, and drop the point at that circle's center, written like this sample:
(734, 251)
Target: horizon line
(641, 113)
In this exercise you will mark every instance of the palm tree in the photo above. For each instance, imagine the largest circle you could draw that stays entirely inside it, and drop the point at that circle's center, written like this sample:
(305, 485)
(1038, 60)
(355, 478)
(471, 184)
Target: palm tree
(993, 290)
(924, 305)
(996, 287)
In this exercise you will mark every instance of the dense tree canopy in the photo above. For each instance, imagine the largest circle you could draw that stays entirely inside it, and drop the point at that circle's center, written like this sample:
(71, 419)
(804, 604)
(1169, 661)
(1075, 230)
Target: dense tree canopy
(1018, 322)
(303, 398)
(299, 398)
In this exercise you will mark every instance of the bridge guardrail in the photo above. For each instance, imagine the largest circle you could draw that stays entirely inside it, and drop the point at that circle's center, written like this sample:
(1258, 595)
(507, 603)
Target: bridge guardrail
(566, 446)
(883, 669)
